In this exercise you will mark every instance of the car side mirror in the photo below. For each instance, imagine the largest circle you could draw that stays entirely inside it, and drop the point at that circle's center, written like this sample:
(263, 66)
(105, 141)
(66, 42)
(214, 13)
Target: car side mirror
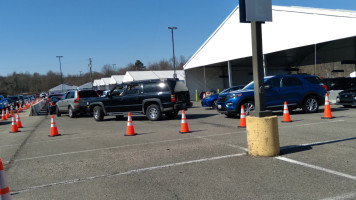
(109, 94)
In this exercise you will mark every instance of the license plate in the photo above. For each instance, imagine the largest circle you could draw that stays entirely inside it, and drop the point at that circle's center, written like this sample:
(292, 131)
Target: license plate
(219, 106)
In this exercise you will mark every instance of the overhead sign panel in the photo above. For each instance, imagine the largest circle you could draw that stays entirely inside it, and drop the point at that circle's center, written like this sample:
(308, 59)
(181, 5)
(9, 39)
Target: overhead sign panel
(255, 10)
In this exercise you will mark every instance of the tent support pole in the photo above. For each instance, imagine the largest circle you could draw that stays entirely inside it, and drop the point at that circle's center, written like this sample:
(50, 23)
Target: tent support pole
(229, 73)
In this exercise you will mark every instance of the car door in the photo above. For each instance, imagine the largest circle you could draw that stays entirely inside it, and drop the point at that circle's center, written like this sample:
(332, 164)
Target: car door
(272, 92)
(291, 90)
(114, 101)
(132, 98)
(61, 103)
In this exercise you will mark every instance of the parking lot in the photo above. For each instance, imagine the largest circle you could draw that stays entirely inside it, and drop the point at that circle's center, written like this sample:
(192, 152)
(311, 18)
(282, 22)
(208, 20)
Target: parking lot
(94, 160)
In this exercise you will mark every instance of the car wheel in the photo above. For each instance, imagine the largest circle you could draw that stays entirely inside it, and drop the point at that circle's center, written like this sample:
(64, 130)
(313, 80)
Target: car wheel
(213, 104)
(71, 112)
(153, 112)
(248, 106)
(98, 113)
(172, 115)
(57, 112)
(310, 105)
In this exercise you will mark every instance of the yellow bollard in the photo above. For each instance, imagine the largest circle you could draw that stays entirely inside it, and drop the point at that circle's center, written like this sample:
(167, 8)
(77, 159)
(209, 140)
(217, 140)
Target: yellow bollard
(196, 95)
(262, 136)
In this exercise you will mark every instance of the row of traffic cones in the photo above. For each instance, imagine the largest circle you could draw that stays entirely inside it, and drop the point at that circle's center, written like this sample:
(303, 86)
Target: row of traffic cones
(6, 114)
(286, 116)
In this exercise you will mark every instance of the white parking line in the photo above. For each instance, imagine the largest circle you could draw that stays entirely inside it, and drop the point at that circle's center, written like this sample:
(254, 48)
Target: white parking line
(343, 197)
(316, 167)
(326, 122)
(126, 173)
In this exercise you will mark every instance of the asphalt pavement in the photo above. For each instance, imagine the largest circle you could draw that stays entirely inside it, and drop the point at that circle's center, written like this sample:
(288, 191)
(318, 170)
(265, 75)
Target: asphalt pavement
(95, 160)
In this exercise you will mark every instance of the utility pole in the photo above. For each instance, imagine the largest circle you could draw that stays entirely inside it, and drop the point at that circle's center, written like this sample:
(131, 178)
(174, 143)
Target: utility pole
(174, 58)
(91, 75)
(60, 68)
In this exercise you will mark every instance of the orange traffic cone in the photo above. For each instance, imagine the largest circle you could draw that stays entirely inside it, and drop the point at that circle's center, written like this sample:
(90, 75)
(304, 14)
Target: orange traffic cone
(24, 107)
(242, 118)
(54, 130)
(4, 188)
(11, 111)
(3, 116)
(14, 127)
(18, 121)
(20, 108)
(130, 131)
(7, 113)
(327, 110)
(184, 125)
(286, 117)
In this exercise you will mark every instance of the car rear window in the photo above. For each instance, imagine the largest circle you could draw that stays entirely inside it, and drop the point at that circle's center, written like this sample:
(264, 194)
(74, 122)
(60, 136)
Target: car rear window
(180, 87)
(87, 93)
(312, 79)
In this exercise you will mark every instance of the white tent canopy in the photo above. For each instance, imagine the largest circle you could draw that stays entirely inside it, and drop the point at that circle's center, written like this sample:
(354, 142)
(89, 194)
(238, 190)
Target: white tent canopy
(151, 75)
(353, 74)
(62, 88)
(86, 86)
(116, 79)
(291, 27)
(97, 82)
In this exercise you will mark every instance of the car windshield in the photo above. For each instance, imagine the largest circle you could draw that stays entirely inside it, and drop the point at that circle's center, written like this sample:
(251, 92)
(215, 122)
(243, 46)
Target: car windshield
(250, 85)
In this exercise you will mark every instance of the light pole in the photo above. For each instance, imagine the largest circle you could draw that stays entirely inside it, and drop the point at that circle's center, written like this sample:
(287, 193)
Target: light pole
(60, 68)
(174, 58)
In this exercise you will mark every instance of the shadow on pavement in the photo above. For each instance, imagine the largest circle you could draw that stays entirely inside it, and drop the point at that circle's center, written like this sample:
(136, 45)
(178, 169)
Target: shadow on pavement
(298, 148)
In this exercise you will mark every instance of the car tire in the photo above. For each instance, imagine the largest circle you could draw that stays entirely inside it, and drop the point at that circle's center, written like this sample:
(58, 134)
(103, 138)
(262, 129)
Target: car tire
(310, 105)
(172, 115)
(71, 113)
(213, 105)
(153, 112)
(98, 113)
(248, 106)
(58, 112)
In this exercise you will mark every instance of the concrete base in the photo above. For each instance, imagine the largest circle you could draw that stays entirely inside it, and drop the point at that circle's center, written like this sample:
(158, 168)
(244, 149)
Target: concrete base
(262, 136)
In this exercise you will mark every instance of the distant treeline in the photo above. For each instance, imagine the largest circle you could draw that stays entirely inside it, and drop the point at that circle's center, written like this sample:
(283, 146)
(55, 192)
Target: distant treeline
(26, 83)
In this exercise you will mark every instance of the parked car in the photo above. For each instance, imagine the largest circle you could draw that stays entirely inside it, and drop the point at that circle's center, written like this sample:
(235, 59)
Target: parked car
(347, 98)
(299, 91)
(3, 103)
(15, 100)
(53, 99)
(210, 100)
(74, 102)
(152, 98)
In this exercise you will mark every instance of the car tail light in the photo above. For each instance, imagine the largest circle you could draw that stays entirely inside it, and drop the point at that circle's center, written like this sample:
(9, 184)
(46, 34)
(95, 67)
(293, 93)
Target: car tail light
(52, 103)
(324, 86)
(173, 98)
(76, 100)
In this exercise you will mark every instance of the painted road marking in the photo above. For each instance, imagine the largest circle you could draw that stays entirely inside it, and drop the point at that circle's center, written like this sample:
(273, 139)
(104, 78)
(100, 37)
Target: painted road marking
(316, 167)
(126, 173)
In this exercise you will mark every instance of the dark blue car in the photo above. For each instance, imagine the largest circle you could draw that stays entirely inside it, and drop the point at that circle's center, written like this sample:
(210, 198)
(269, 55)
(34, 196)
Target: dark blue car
(299, 91)
(210, 100)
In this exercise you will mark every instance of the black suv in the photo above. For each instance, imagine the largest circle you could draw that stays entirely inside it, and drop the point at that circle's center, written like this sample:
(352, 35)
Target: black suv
(152, 98)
